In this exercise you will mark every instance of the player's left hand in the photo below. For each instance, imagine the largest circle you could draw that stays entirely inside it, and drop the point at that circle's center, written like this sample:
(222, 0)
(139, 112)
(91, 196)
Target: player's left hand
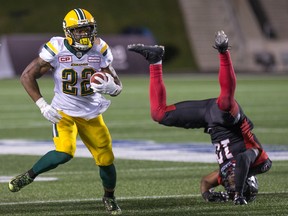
(109, 87)
(217, 196)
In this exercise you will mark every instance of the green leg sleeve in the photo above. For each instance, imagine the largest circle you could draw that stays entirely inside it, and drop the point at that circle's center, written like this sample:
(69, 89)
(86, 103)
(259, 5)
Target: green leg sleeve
(108, 176)
(50, 161)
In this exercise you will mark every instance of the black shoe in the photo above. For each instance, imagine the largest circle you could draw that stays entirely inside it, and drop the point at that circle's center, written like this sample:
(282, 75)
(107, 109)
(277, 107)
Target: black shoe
(152, 54)
(221, 42)
(111, 206)
(19, 182)
(240, 200)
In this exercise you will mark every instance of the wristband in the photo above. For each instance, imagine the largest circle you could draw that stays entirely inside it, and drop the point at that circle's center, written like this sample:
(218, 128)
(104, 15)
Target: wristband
(41, 102)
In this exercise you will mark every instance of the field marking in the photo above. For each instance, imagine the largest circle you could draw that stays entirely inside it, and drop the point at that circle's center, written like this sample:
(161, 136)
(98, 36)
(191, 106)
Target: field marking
(98, 199)
(133, 170)
(5, 179)
(49, 176)
(120, 198)
(137, 150)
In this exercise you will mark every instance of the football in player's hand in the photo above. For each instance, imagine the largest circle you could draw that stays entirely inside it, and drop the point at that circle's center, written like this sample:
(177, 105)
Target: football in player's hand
(99, 78)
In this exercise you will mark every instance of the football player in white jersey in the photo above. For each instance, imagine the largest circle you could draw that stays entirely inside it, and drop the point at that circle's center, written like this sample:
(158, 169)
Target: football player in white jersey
(77, 106)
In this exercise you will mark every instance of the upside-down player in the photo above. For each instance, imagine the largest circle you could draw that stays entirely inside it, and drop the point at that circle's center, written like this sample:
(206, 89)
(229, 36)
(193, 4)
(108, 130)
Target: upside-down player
(76, 107)
(222, 117)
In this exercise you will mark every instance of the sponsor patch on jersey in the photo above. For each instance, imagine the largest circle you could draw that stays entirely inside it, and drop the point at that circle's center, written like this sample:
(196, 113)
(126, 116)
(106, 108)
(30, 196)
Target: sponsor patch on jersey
(95, 59)
(79, 64)
(67, 58)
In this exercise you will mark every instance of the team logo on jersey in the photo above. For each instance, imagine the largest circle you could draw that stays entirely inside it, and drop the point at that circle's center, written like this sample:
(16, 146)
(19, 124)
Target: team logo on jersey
(67, 58)
(79, 54)
(95, 59)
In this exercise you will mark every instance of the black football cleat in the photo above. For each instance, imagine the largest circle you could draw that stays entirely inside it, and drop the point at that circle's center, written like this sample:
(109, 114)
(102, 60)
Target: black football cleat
(111, 206)
(152, 54)
(221, 42)
(20, 181)
(240, 200)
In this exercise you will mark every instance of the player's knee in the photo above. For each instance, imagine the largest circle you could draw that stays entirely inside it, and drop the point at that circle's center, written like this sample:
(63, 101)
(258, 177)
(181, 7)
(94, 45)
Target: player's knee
(65, 146)
(160, 113)
(155, 117)
(266, 166)
(226, 102)
(105, 159)
(242, 159)
(63, 157)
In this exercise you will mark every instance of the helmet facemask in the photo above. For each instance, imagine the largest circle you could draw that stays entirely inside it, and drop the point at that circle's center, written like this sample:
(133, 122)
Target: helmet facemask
(82, 37)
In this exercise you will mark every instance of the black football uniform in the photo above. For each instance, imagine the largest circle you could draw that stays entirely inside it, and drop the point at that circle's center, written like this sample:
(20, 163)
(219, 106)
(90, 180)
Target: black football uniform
(230, 135)
(222, 117)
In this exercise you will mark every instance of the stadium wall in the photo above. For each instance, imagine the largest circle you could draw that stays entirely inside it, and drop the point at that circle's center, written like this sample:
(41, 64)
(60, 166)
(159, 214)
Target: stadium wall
(251, 50)
(17, 51)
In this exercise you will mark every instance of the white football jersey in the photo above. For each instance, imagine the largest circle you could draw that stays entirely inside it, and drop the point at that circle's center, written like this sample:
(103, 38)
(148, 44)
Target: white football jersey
(72, 72)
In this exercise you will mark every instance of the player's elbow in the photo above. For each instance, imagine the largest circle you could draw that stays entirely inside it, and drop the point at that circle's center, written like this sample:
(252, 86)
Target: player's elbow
(24, 77)
(204, 185)
(204, 181)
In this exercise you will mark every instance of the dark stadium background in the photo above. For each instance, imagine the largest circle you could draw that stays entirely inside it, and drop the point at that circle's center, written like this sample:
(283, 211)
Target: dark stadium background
(257, 28)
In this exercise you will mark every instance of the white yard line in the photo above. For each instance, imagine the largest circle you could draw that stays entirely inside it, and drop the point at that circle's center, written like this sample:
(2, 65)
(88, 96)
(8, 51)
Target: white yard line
(118, 198)
(138, 150)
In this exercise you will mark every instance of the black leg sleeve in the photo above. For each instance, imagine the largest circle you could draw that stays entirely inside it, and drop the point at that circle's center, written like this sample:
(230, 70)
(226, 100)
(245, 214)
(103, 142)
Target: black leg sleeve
(243, 163)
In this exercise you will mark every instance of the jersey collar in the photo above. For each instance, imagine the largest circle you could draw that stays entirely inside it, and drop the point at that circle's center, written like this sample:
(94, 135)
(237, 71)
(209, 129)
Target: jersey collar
(77, 53)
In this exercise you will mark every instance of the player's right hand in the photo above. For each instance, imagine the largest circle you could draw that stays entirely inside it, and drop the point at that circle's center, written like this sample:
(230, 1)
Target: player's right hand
(49, 112)
(109, 87)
